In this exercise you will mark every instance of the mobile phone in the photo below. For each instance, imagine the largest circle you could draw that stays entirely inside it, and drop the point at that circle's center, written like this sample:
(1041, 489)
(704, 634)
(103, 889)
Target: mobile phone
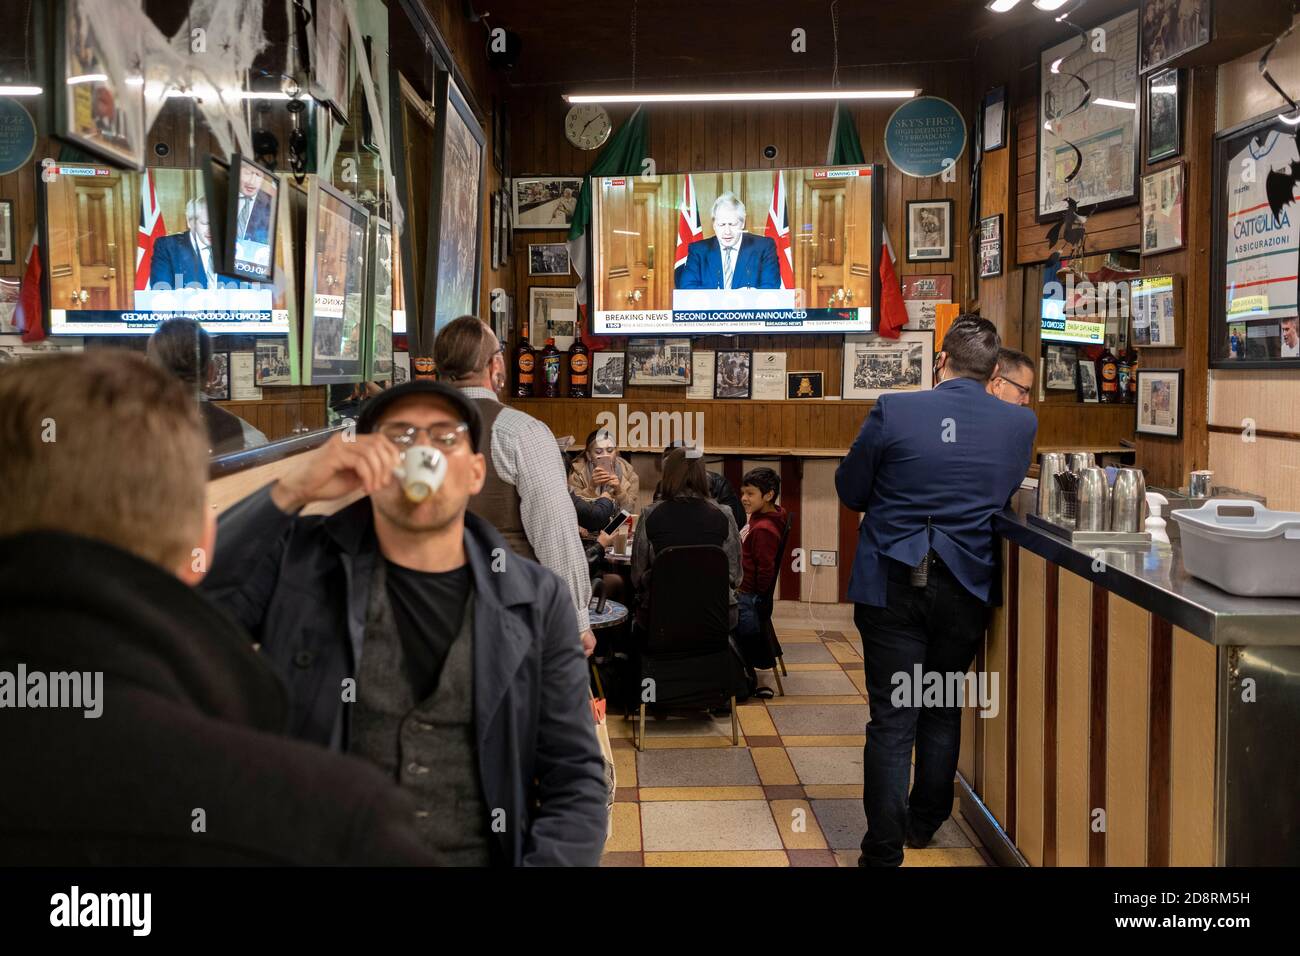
(617, 522)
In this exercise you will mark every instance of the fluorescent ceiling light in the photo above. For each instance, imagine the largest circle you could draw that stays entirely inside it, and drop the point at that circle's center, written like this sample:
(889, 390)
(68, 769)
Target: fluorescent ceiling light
(233, 94)
(1164, 89)
(88, 78)
(1002, 6)
(1050, 4)
(1116, 103)
(20, 91)
(722, 97)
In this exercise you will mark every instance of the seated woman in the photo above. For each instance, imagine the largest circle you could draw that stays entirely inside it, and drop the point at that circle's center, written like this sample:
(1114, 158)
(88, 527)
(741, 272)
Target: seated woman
(684, 515)
(600, 470)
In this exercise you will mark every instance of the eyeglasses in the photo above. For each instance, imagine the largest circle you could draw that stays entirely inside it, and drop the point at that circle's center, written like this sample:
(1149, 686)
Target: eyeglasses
(1024, 389)
(403, 435)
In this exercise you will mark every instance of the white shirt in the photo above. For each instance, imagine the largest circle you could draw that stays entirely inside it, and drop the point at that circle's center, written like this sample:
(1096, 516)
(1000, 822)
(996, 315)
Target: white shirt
(524, 454)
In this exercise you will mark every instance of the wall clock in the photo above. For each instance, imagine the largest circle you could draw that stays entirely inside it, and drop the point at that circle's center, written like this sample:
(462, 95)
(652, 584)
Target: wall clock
(587, 126)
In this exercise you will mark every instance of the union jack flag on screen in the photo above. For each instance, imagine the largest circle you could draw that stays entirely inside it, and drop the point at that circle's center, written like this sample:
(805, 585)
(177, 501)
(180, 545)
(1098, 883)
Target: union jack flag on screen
(151, 229)
(778, 229)
(688, 224)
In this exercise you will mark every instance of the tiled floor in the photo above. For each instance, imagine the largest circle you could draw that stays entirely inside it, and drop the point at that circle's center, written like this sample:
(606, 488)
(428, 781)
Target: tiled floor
(789, 795)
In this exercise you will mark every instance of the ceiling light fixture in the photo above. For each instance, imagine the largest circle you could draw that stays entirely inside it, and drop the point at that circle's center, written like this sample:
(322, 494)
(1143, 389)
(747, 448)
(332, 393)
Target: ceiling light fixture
(723, 97)
(1002, 6)
(1049, 5)
(1116, 103)
(20, 91)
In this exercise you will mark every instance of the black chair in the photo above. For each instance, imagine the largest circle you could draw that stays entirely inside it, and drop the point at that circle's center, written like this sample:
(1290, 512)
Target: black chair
(685, 649)
(765, 608)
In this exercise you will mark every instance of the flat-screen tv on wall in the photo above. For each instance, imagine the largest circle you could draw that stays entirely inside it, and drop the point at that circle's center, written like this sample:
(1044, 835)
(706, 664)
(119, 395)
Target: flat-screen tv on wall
(335, 295)
(746, 251)
(124, 251)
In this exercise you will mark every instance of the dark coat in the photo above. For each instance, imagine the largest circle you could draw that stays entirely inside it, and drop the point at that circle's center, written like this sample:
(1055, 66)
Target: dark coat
(757, 266)
(191, 720)
(953, 454)
(301, 585)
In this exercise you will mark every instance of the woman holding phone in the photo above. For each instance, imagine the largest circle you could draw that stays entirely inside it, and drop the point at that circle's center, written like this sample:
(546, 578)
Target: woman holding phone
(599, 470)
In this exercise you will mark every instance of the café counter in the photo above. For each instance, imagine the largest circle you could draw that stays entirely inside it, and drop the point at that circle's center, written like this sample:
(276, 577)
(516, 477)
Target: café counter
(1142, 717)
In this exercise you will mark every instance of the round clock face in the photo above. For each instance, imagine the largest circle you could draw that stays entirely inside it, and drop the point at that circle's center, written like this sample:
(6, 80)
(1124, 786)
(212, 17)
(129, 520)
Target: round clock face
(587, 126)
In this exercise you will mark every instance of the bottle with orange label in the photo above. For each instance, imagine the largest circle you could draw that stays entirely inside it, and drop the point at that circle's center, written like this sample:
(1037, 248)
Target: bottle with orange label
(1108, 376)
(579, 370)
(525, 364)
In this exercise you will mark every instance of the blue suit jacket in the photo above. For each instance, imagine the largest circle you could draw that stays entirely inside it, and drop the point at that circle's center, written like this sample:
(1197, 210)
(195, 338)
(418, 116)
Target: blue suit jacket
(756, 265)
(173, 256)
(901, 470)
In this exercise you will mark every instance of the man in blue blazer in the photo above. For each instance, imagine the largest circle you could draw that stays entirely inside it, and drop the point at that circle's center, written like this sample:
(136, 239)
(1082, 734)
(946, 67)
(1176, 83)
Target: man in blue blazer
(733, 258)
(929, 470)
(183, 260)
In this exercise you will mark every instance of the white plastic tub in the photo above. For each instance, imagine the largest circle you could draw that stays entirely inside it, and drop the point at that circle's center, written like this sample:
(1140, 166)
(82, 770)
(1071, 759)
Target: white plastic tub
(1242, 547)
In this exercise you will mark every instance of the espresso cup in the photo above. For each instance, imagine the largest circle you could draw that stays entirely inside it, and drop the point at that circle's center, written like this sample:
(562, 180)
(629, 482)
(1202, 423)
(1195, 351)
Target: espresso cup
(421, 472)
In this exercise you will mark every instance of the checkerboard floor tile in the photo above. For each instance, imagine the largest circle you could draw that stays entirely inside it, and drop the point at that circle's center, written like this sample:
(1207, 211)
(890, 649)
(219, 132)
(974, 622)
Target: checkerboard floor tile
(789, 795)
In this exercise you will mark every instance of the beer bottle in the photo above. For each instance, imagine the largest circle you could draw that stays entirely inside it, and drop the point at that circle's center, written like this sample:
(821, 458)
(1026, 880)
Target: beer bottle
(1108, 376)
(525, 361)
(579, 370)
(550, 370)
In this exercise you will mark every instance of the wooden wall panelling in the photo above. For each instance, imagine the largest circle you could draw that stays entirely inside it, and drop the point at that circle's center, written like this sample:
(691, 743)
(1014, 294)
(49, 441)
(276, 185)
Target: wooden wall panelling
(1074, 658)
(1191, 760)
(1030, 708)
(1128, 710)
(995, 757)
(1158, 742)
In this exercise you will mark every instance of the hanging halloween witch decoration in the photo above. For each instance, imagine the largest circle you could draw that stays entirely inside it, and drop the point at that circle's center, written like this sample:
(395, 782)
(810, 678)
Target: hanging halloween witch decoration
(1071, 227)
(1279, 186)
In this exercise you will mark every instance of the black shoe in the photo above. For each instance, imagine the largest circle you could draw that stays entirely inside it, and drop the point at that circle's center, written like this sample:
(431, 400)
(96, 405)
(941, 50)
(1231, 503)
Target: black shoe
(915, 841)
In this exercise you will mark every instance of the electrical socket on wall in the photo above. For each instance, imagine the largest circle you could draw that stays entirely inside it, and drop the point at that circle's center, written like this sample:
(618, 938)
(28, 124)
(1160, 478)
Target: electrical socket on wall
(824, 559)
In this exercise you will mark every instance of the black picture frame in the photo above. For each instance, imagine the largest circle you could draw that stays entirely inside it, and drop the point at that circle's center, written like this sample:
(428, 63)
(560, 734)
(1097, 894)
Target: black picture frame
(990, 246)
(216, 193)
(608, 386)
(1149, 244)
(1176, 376)
(445, 235)
(1170, 113)
(1261, 351)
(1147, 59)
(7, 239)
(1089, 390)
(1114, 202)
(333, 368)
(233, 265)
(794, 385)
(220, 360)
(994, 97)
(949, 231)
(732, 392)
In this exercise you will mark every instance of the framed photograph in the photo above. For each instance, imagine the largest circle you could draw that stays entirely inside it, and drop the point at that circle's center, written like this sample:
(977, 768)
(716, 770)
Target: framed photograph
(1062, 363)
(334, 287)
(1172, 27)
(452, 279)
(507, 243)
(552, 314)
(331, 56)
(1160, 402)
(379, 347)
(875, 366)
(607, 374)
(1164, 128)
(92, 111)
(990, 250)
(503, 317)
(1155, 307)
(1162, 210)
(920, 296)
(1088, 391)
(1253, 252)
(496, 230)
(803, 385)
(929, 230)
(702, 363)
(993, 119)
(544, 202)
(659, 361)
(499, 123)
(251, 205)
(6, 232)
(401, 367)
(733, 373)
(217, 387)
(548, 259)
(1098, 142)
(272, 362)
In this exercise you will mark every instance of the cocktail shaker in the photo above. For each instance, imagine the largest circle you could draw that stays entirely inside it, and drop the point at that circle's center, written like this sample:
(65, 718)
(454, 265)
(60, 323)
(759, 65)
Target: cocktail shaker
(1199, 484)
(1050, 464)
(1076, 461)
(1094, 501)
(1127, 499)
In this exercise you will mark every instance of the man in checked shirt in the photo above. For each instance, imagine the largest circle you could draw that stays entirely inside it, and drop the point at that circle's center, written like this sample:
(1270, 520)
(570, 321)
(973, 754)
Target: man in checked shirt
(526, 494)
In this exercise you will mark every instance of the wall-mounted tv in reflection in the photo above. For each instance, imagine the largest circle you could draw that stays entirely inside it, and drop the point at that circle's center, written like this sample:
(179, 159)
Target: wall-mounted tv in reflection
(125, 251)
(749, 251)
(334, 317)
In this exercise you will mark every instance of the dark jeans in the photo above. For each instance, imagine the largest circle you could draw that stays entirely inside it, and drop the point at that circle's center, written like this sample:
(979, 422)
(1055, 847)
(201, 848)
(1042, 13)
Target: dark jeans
(753, 611)
(938, 627)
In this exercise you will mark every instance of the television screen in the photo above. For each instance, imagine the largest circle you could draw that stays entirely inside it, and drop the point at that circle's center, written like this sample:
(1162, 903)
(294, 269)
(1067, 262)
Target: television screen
(125, 251)
(334, 287)
(249, 236)
(772, 250)
(1075, 310)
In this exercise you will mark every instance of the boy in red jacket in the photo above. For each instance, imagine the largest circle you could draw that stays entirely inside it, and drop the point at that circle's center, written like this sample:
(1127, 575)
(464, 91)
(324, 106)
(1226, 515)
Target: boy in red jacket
(760, 543)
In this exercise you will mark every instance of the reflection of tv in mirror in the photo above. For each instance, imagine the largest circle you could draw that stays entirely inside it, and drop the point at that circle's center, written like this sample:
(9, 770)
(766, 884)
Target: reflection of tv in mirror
(771, 250)
(249, 241)
(124, 251)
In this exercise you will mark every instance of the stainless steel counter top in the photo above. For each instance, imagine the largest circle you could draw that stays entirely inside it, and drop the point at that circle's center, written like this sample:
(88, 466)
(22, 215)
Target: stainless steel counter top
(1154, 579)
